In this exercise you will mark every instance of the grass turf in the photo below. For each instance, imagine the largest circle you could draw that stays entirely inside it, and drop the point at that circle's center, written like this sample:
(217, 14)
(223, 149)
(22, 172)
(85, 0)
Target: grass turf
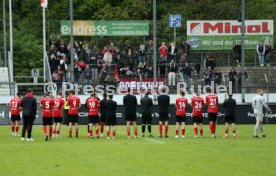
(141, 156)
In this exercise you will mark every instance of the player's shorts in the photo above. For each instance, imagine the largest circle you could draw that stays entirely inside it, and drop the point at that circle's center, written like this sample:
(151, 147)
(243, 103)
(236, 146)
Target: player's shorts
(57, 119)
(259, 116)
(197, 120)
(93, 119)
(111, 121)
(230, 118)
(130, 117)
(212, 116)
(163, 117)
(73, 118)
(15, 118)
(146, 119)
(47, 121)
(103, 118)
(180, 119)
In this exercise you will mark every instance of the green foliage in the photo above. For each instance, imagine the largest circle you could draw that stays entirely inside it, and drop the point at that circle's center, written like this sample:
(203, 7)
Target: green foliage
(27, 20)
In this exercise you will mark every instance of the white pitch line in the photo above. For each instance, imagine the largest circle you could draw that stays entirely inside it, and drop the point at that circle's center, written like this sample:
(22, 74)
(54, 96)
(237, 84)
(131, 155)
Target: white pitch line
(147, 139)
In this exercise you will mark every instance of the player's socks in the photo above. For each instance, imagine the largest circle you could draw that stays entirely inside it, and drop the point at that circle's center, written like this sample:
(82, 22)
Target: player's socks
(58, 132)
(16, 129)
(149, 128)
(113, 133)
(234, 133)
(97, 132)
(183, 132)
(160, 129)
(108, 134)
(176, 132)
(51, 132)
(45, 130)
(77, 132)
(201, 132)
(70, 132)
(136, 133)
(143, 128)
(196, 131)
(214, 130)
(166, 130)
(102, 127)
(90, 133)
(12, 128)
(128, 133)
(211, 128)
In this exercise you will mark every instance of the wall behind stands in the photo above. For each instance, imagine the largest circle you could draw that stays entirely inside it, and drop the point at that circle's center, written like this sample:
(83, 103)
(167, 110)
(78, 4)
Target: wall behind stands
(244, 115)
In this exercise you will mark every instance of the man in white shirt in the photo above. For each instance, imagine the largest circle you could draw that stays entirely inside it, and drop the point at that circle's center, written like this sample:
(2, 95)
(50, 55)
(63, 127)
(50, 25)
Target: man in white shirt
(257, 105)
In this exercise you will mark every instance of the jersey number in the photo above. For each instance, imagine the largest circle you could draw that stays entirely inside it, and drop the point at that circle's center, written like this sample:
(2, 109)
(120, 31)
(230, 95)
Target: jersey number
(57, 104)
(181, 105)
(198, 105)
(213, 102)
(14, 104)
(47, 104)
(92, 105)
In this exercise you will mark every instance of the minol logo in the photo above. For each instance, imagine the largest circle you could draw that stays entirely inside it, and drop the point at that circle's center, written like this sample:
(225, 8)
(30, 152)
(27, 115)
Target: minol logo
(195, 28)
(227, 27)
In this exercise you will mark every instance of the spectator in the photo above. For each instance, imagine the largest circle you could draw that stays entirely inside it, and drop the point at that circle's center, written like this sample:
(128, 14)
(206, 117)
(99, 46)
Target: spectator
(186, 50)
(149, 71)
(186, 75)
(217, 78)
(129, 54)
(232, 78)
(162, 64)
(76, 72)
(142, 50)
(208, 76)
(237, 50)
(113, 51)
(197, 69)
(172, 51)
(141, 70)
(240, 79)
(172, 70)
(149, 51)
(261, 51)
(105, 50)
(163, 52)
(88, 75)
(94, 64)
(267, 53)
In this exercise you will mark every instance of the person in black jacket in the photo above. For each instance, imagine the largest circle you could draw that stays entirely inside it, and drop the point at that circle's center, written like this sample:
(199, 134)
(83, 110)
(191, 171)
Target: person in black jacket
(232, 78)
(230, 109)
(163, 103)
(146, 104)
(102, 113)
(237, 50)
(130, 103)
(29, 110)
(110, 107)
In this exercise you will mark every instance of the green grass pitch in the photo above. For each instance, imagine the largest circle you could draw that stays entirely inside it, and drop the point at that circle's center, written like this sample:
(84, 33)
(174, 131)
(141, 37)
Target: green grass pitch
(141, 156)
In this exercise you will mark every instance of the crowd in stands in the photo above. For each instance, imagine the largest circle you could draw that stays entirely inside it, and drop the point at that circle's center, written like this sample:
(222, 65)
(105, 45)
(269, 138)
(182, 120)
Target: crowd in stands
(93, 65)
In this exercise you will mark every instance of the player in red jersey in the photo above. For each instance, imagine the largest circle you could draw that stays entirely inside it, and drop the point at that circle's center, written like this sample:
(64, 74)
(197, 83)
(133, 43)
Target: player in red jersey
(212, 102)
(47, 105)
(93, 106)
(74, 104)
(181, 105)
(57, 113)
(15, 113)
(197, 104)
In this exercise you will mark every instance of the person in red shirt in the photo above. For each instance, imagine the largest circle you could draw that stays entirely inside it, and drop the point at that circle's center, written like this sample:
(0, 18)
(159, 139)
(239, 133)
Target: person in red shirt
(15, 113)
(181, 105)
(197, 104)
(57, 113)
(163, 51)
(47, 105)
(212, 102)
(93, 106)
(74, 104)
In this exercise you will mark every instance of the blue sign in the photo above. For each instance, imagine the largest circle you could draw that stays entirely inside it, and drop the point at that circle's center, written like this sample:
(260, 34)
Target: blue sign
(175, 21)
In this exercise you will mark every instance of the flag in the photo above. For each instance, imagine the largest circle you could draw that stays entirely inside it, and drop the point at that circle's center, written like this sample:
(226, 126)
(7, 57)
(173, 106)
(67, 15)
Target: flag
(44, 3)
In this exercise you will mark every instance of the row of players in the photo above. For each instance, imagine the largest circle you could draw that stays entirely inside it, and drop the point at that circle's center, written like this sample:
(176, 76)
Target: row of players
(52, 113)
